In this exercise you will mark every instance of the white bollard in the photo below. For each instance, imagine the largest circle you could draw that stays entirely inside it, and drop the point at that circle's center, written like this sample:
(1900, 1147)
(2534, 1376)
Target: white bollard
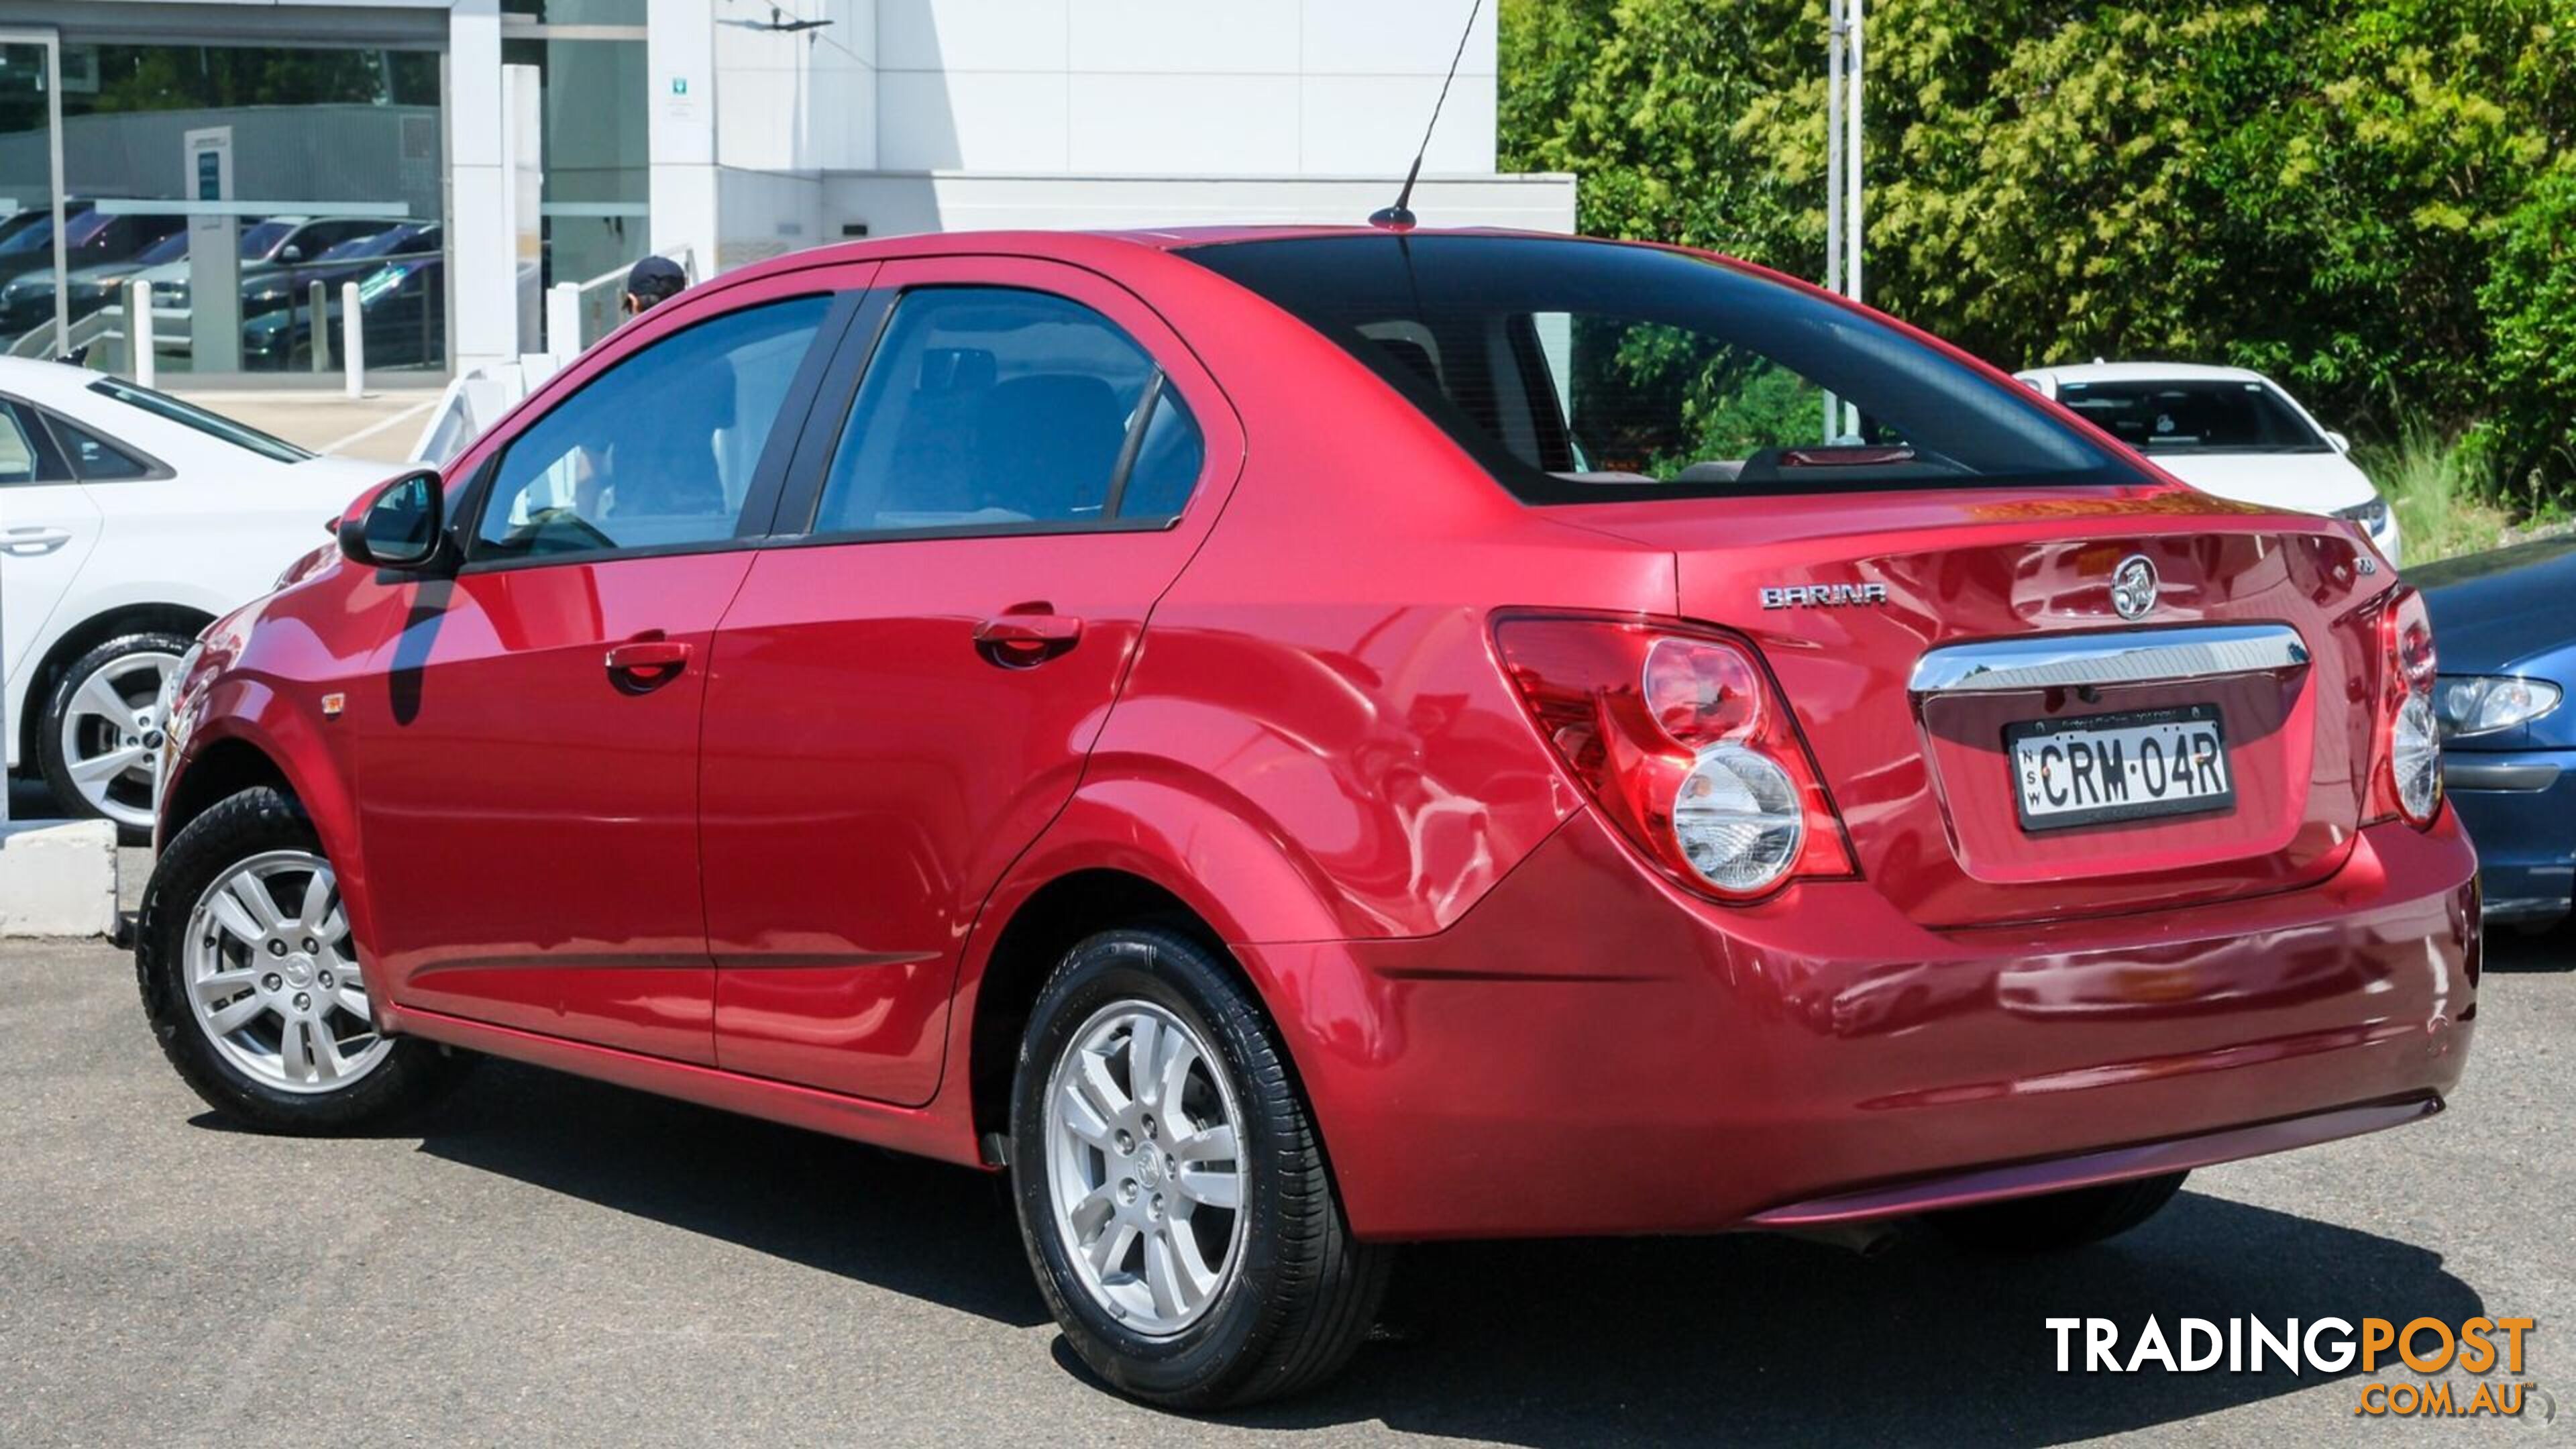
(563, 322)
(353, 340)
(317, 333)
(138, 331)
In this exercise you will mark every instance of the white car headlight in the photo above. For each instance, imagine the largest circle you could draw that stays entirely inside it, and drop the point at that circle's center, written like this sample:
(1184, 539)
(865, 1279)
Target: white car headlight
(2481, 704)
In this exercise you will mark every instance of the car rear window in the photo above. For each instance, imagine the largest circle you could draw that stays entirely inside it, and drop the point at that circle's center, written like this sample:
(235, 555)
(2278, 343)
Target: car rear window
(189, 415)
(1588, 372)
(2218, 415)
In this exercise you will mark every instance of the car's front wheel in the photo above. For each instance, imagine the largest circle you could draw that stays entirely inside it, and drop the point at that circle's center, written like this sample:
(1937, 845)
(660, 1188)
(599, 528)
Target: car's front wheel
(1171, 1185)
(253, 987)
(101, 733)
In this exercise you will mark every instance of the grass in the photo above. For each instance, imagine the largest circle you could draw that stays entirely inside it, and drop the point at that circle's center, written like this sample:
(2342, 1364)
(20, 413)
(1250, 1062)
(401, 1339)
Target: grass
(2424, 477)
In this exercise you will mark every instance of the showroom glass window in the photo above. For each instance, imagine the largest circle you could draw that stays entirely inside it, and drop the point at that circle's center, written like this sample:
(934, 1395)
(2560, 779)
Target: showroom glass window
(593, 90)
(991, 409)
(659, 450)
(327, 144)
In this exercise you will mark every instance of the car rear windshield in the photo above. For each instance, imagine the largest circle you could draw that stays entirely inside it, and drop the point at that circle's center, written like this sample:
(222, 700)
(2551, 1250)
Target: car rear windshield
(1589, 372)
(2216, 415)
(161, 404)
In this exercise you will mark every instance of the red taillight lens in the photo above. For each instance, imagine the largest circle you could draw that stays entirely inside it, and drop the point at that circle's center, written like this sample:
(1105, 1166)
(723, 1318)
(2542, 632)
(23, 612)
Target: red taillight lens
(1681, 738)
(2406, 759)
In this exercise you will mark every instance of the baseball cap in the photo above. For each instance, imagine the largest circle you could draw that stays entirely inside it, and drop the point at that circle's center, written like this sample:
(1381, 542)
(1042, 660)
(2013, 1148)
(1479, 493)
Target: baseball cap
(655, 278)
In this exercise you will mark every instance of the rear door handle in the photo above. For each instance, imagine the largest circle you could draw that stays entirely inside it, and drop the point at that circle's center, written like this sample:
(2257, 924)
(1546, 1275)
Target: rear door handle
(30, 540)
(1017, 640)
(648, 662)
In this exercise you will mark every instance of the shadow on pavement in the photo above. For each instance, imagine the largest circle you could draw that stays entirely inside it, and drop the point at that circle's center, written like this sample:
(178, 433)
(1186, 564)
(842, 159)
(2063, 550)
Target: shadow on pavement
(1535, 1343)
(939, 1233)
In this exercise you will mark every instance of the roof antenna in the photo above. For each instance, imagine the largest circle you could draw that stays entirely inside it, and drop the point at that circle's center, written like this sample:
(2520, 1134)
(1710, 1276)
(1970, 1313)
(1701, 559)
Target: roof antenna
(1399, 217)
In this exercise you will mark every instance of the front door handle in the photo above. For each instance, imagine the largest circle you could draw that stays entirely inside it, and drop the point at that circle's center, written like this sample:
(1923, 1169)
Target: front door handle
(647, 662)
(30, 540)
(1017, 640)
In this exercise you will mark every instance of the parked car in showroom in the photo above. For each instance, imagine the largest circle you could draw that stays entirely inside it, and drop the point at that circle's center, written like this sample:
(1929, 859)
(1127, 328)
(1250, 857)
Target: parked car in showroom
(128, 520)
(402, 316)
(1290, 742)
(27, 302)
(2508, 734)
(2228, 431)
(270, 249)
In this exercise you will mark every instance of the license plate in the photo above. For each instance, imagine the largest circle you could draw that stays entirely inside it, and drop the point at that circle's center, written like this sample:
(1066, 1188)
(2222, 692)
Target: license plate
(2110, 767)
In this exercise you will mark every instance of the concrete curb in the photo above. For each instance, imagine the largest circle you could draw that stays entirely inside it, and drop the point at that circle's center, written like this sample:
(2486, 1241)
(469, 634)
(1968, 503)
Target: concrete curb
(57, 878)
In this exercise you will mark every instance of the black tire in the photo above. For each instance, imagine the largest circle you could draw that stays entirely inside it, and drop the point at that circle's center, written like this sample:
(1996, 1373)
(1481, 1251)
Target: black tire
(1302, 1293)
(2060, 1220)
(410, 1076)
(58, 703)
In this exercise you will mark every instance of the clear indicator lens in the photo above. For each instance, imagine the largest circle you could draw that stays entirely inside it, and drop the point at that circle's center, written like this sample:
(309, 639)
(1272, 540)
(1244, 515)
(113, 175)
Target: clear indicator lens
(1737, 818)
(2415, 757)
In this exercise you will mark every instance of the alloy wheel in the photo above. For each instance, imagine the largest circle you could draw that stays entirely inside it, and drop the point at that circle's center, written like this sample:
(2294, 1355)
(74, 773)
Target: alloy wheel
(1144, 1166)
(273, 980)
(111, 736)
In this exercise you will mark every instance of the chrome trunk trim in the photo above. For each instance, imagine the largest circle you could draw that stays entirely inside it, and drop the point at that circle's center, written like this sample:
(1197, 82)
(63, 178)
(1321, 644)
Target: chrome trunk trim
(2125, 656)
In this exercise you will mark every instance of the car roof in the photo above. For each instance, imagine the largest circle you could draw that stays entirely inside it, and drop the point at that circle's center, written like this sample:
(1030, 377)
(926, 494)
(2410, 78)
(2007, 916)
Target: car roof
(2142, 372)
(56, 384)
(1077, 246)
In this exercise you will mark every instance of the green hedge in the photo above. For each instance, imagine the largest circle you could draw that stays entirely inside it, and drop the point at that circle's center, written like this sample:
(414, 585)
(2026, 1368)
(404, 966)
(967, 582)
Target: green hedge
(2374, 200)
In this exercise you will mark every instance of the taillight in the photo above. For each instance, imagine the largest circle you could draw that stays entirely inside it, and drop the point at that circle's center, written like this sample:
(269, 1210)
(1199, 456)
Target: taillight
(1681, 738)
(2406, 765)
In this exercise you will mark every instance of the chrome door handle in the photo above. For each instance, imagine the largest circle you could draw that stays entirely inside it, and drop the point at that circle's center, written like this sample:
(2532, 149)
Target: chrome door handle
(33, 539)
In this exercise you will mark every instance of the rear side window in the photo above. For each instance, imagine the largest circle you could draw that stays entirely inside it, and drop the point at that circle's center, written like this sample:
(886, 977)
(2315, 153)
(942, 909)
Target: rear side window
(95, 458)
(1587, 372)
(1001, 410)
(659, 450)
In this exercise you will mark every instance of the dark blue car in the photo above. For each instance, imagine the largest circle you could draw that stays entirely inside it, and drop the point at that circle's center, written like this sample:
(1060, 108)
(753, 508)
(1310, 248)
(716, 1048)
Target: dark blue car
(2504, 630)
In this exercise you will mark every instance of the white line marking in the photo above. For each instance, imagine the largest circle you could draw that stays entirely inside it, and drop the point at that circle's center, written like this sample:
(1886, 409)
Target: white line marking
(371, 429)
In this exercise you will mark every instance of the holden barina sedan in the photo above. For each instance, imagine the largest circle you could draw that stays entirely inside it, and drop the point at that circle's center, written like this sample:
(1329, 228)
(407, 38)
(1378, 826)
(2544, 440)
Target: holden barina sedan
(1288, 743)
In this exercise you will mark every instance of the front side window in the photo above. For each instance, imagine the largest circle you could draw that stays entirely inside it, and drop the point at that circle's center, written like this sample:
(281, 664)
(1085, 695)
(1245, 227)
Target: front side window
(2217, 415)
(659, 450)
(1589, 372)
(994, 409)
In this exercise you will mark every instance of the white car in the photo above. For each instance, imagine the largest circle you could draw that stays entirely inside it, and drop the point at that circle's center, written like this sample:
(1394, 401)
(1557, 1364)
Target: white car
(2227, 431)
(128, 521)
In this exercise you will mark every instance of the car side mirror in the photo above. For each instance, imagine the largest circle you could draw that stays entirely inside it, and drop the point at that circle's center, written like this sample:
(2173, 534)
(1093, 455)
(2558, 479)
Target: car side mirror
(397, 525)
(2339, 442)
(291, 254)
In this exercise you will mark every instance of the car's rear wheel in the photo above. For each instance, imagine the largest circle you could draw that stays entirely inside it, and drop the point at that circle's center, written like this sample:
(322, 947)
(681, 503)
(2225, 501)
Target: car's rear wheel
(101, 734)
(2060, 1220)
(1171, 1185)
(253, 987)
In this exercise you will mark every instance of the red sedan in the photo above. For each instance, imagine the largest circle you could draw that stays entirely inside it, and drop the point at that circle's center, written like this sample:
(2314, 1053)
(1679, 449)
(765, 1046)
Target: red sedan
(1290, 742)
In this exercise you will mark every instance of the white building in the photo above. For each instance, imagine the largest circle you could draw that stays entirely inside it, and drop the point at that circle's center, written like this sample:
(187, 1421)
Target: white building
(557, 140)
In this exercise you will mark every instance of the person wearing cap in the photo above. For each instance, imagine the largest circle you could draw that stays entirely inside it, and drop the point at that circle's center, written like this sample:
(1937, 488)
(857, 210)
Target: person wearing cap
(649, 282)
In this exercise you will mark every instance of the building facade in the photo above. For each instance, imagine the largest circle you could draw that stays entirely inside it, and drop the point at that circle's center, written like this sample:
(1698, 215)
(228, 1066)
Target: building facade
(247, 161)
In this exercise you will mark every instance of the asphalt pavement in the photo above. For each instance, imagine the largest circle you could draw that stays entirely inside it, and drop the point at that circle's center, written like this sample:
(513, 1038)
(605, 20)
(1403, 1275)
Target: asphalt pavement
(552, 1261)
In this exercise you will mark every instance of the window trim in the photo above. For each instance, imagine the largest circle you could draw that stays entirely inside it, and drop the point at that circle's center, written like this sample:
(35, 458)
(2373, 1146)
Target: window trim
(768, 476)
(154, 470)
(802, 505)
(43, 444)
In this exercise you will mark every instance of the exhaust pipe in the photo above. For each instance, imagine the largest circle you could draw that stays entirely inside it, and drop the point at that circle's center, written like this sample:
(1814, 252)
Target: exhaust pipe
(1868, 1239)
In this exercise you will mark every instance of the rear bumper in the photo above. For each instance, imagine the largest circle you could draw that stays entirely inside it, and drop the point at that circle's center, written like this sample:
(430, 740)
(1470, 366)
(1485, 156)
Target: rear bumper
(2520, 809)
(1590, 1051)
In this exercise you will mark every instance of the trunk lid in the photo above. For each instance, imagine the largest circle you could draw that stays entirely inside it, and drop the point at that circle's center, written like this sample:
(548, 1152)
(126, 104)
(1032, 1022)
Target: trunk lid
(1848, 594)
